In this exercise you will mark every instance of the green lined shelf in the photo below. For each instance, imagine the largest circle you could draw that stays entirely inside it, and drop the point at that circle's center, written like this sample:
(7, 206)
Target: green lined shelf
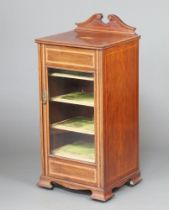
(80, 150)
(77, 124)
(79, 98)
(73, 75)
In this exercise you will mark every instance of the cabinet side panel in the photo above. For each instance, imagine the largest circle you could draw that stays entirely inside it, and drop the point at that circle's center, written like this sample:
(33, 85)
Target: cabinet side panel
(120, 104)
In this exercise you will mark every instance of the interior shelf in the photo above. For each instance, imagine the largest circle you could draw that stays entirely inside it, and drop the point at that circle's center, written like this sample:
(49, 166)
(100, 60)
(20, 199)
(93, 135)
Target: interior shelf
(77, 124)
(80, 149)
(73, 75)
(79, 98)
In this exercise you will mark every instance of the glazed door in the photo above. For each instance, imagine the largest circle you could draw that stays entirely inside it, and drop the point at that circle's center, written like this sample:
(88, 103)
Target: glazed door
(71, 115)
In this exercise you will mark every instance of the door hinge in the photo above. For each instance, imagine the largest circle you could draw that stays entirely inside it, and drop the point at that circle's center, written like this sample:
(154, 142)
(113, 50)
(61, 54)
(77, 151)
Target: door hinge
(44, 97)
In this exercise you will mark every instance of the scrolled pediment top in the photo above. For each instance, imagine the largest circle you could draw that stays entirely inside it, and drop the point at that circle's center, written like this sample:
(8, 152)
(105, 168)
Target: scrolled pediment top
(114, 24)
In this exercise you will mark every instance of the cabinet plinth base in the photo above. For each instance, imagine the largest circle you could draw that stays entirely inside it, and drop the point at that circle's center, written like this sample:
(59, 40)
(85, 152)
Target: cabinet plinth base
(45, 183)
(101, 195)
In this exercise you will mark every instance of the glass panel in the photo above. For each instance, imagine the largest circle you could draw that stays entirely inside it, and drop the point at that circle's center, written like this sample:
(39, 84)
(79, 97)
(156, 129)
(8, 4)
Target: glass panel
(72, 145)
(71, 114)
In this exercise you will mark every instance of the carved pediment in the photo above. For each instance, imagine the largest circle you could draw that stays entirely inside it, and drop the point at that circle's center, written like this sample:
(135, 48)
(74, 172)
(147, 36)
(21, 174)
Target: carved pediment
(95, 23)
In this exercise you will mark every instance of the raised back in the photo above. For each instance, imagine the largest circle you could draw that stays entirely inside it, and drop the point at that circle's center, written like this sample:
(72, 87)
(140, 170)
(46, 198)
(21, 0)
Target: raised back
(95, 23)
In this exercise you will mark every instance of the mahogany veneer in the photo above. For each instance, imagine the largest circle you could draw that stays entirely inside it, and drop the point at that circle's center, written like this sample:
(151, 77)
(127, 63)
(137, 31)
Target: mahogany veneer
(109, 51)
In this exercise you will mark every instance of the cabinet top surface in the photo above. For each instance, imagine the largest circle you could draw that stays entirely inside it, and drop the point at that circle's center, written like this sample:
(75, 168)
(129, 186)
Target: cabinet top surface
(94, 33)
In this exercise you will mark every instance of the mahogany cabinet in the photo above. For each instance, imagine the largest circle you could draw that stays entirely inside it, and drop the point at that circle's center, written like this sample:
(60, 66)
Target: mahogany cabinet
(88, 83)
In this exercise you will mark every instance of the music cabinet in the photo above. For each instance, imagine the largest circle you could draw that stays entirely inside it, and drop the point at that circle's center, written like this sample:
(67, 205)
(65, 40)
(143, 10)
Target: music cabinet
(88, 82)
